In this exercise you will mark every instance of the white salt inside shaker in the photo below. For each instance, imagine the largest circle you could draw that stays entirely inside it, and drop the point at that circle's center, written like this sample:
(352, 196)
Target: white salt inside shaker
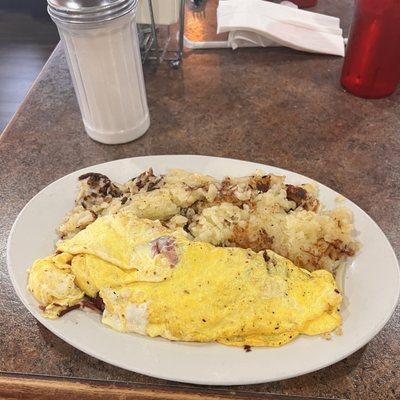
(102, 50)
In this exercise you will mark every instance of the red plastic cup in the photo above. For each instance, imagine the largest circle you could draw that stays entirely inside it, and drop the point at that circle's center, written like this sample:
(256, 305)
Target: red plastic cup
(305, 3)
(371, 67)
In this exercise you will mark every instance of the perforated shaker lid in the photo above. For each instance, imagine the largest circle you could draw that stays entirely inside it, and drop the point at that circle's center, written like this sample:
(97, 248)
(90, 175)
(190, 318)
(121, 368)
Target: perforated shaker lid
(86, 11)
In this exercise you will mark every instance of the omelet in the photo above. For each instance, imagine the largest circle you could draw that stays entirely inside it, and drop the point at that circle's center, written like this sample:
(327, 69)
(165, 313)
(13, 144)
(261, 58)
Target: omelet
(158, 282)
(53, 284)
(127, 242)
(228, 295)
(92, 273)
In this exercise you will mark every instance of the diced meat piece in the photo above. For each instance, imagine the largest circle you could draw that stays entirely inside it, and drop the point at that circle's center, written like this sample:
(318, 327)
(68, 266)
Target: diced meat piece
(165, 245)
(296, 194)
(68, 309)
(263, 183)
(94, 303)
(101, 184)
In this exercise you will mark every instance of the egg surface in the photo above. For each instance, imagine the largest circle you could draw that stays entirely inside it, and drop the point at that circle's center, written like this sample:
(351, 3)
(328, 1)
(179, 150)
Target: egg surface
(228, 295)
(127, 242)
(53, 284)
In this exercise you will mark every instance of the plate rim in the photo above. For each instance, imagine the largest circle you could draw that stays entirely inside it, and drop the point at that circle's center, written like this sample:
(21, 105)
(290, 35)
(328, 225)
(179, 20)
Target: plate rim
(144, 371)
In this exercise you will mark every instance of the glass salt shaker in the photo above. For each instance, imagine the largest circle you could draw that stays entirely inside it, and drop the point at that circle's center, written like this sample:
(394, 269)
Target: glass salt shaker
(102, 50)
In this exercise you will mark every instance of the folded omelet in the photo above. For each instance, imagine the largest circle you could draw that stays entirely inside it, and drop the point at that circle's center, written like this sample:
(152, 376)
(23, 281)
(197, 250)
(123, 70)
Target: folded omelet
(158, 282)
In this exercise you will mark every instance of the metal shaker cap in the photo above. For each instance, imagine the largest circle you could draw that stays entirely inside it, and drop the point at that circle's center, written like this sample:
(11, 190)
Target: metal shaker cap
(86, 11)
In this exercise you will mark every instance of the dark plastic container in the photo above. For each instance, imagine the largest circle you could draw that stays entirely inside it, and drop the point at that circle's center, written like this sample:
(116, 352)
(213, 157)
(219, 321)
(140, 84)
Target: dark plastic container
(305, 3)
(371, 67)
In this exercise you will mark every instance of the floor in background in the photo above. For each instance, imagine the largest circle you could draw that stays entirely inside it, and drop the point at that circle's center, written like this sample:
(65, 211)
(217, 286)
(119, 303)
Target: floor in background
(25, 44)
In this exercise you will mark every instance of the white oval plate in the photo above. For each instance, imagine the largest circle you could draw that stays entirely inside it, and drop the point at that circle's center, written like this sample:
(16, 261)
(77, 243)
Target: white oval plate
(371, 289)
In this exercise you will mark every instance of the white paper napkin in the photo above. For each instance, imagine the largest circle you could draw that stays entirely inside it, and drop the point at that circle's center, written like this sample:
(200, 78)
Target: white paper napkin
(262, 23)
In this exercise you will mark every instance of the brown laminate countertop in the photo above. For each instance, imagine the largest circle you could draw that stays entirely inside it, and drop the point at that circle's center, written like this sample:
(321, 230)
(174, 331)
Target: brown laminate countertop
(273, 106)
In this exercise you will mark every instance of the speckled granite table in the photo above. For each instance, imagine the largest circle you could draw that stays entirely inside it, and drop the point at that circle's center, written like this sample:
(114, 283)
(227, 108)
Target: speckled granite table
(273, 106)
